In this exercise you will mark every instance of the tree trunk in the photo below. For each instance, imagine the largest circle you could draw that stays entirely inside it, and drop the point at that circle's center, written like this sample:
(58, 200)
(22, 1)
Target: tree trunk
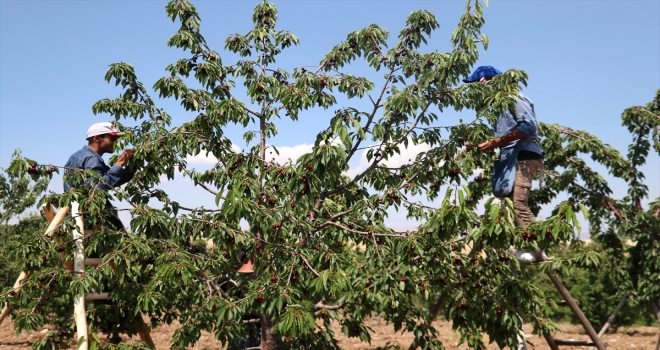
(6, 232)
(262, 138)
(268, 340)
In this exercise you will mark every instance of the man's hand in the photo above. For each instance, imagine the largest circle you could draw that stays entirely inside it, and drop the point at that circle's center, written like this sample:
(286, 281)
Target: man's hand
(487, 145)
(125, 156)
(492, 143)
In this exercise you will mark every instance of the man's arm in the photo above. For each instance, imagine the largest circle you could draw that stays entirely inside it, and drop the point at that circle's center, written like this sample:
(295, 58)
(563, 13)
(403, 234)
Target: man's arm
(127, 173)
(526, 125)
(112, 176)
(493, 143)
(526, 117)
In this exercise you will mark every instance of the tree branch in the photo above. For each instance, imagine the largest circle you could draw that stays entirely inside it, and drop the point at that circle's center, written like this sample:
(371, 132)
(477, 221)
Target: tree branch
(322, 306)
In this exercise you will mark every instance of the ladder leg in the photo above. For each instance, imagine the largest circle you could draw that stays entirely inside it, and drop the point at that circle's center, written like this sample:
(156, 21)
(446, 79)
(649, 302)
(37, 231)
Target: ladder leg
(49, 233)
(49, 213)
(551, 342)
(17, 289)
(144, 331)
(522, 342)
(611, 318)
(79, 312)
(576, 310)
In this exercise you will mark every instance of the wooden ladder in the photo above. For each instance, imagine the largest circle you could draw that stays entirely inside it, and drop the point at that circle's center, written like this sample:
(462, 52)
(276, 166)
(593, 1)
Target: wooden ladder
(78, 269)
(573, 305)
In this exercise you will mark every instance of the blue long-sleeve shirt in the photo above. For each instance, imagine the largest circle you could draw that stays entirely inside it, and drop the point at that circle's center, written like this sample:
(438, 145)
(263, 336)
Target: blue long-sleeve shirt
(522, 119)
(88, 159)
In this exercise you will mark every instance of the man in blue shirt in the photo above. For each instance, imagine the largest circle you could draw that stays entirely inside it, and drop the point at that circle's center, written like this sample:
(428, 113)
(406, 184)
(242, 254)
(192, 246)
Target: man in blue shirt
(101, 138)
(521, 157)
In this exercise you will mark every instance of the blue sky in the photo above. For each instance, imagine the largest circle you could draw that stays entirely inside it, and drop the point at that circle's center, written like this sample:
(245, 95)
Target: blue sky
(587, 60)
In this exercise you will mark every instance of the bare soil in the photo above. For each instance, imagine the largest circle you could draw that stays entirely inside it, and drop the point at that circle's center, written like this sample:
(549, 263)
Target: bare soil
(632, 338)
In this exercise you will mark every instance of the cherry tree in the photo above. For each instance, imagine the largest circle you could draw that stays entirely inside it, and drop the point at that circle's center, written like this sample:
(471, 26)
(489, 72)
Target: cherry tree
(318, 237)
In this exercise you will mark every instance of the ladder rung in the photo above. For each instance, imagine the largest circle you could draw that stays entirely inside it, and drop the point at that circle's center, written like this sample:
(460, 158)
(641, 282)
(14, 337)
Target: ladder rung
(574, 342)
(96, 296)
(93, 261)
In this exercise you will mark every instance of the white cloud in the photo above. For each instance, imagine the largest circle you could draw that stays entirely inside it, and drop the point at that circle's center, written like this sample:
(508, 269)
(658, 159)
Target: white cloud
(285, 153)
(407, 155)
(288, 152)
(292, 153)
(203, 159)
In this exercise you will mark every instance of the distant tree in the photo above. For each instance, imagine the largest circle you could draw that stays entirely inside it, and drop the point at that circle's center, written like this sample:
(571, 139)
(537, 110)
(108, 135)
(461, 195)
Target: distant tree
(19, 192)
(598, 293)
(27, 228)
(632, 270)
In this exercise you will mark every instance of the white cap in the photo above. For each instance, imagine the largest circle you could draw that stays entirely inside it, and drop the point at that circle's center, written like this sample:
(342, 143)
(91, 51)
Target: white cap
(102, 129)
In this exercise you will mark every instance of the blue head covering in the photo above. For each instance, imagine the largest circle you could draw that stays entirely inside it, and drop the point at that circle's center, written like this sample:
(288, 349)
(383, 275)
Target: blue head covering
(482, 72)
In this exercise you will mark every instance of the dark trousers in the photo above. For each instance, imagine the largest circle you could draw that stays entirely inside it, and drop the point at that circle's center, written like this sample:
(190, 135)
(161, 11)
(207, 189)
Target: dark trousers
(110, 219)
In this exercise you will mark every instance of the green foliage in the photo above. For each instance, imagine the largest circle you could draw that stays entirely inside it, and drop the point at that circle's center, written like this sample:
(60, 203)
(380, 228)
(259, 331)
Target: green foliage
(317, 236)
(596, 290)
(17, 192)
(26, 229)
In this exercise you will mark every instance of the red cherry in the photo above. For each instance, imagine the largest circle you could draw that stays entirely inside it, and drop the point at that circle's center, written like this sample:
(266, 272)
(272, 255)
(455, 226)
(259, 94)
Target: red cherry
(310, 167)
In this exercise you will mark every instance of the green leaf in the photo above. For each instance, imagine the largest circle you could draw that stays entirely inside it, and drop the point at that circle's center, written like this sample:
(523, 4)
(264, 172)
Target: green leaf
(345, 138)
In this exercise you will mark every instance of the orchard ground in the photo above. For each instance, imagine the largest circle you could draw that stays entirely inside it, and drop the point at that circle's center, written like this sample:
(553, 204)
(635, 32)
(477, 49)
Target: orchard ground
(626, 338)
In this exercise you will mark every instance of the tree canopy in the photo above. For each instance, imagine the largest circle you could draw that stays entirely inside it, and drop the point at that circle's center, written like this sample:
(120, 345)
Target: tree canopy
(318, 237)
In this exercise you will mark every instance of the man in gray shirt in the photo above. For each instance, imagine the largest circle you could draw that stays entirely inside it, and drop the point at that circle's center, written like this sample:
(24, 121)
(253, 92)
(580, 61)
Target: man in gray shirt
(521, 157)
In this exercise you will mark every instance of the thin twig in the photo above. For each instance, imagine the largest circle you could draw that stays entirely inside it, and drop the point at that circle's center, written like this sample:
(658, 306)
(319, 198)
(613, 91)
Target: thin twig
(310, 266)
